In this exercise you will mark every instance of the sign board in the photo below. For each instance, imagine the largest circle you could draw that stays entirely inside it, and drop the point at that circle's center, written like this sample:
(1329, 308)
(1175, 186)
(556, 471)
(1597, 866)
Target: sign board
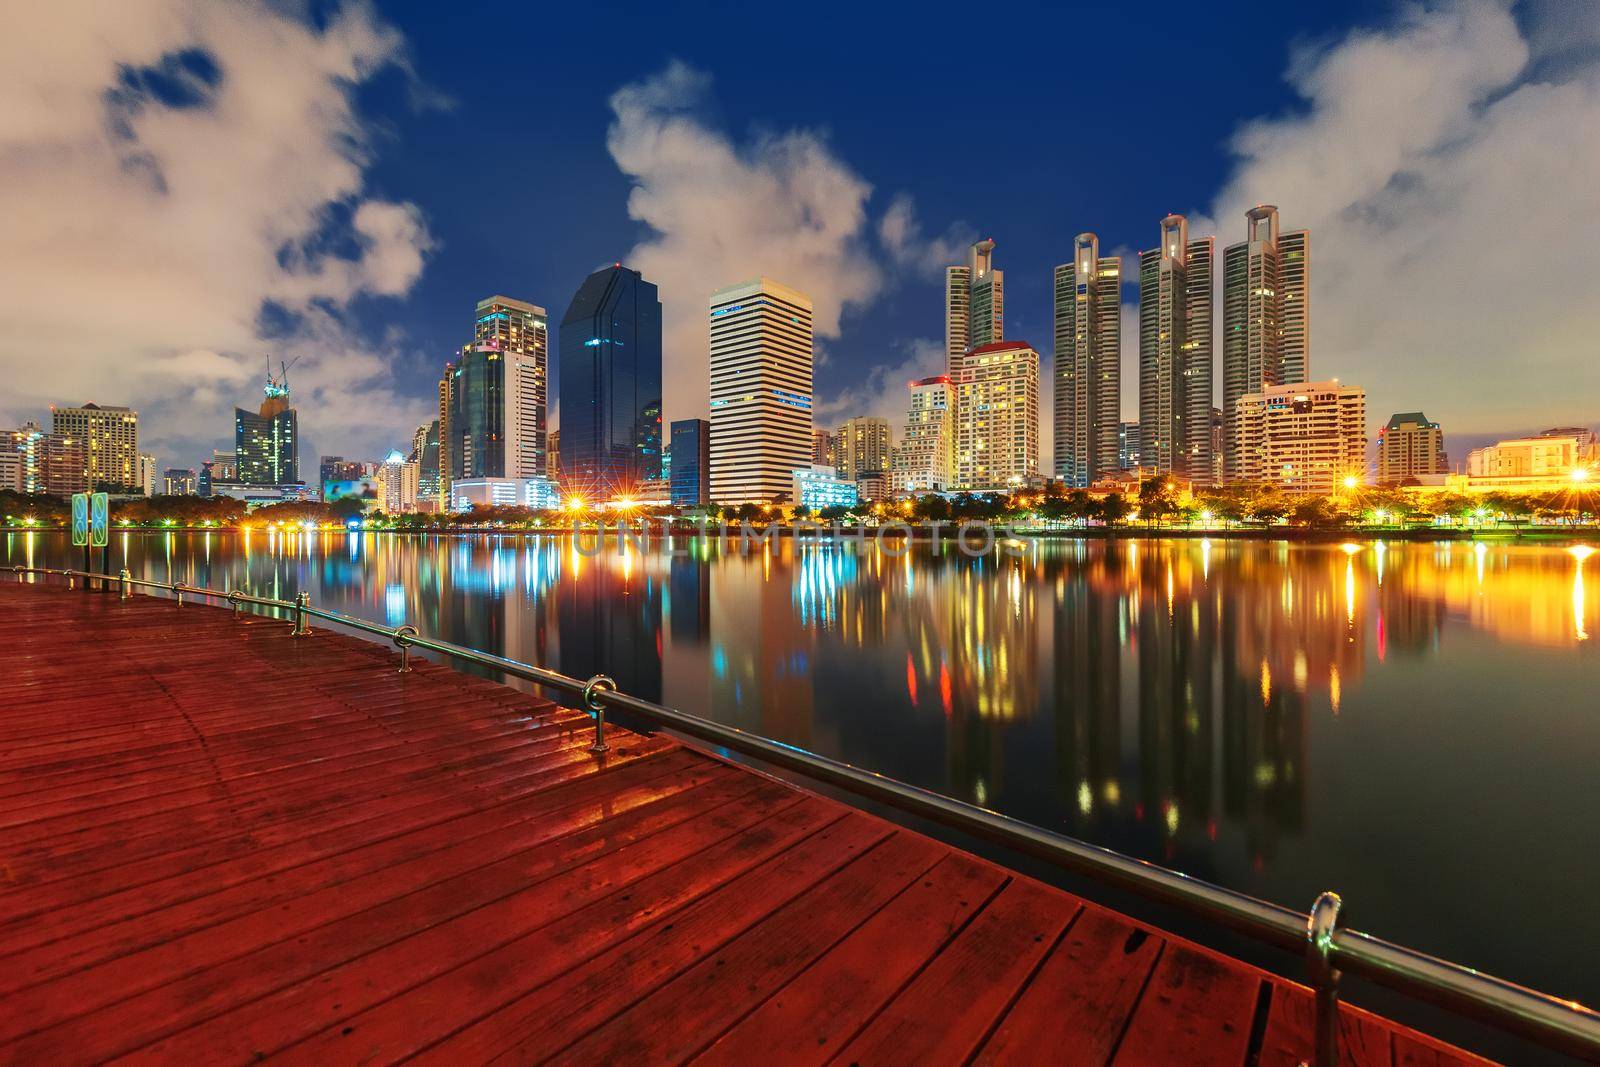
(80, 518)
(99, 520)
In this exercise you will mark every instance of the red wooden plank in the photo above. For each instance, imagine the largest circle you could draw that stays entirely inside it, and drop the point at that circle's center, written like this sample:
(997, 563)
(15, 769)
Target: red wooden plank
(684, 1015)
(808, 1019)
(190, 979)
(1418, 1050)
(453, 971)
(1197, 1009)
(537, 1016)
(946, 1012)
(1290, 1036)
(1079, 1002)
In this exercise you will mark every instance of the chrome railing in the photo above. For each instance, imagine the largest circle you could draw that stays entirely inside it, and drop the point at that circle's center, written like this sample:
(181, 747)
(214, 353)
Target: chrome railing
(1330, 949)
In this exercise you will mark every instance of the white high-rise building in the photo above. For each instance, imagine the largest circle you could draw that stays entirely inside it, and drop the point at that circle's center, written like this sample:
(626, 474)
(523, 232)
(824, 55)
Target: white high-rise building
(862, 447)
(1304, 437)
(975, 303)
(925, 458)
(761, 391)
(519, 331)
(997, 416)
(1175, 354)
(1088, 363)
(1266, 319)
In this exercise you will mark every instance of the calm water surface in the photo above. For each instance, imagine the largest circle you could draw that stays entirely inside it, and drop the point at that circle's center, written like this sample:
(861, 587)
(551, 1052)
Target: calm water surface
(1416, 725)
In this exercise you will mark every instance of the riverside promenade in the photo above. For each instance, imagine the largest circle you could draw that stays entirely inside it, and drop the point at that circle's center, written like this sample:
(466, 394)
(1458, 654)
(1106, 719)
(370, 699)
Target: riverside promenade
(220, 843)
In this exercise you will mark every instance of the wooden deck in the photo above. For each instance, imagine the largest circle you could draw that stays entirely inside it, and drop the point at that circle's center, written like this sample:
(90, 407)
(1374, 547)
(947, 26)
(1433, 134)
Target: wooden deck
(220, 843)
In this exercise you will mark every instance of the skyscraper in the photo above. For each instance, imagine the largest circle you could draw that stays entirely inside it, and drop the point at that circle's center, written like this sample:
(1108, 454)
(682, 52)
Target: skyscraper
(446, 449)
(822, 449)
(1175, 353)
(147, 474)
(863, 447)
(691, 462)
(974, 303)
(266, 442)
(109, 437)
(518, 330)
(761, 365)
(925, 458)
(1088, 363)
(997, 416)
(611, 385)
(1409, 447)
(29, 445)
(1266, 318)
(425, 450)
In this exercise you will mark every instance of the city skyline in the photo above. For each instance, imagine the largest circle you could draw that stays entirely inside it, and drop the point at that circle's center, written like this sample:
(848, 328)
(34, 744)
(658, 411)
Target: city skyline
(373, 321)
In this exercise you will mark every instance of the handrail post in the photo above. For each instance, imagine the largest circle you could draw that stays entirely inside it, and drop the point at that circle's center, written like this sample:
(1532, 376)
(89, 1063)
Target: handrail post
(18, 569)
(592, 702)
(1320, 926)
(177, 592)
(402, 638)
(236, 599)
(127, 583)
(302, 621)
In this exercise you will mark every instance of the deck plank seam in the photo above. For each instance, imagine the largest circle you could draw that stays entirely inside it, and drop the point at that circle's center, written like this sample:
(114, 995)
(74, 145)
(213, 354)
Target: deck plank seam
(1016, 994)
(1133, 1006)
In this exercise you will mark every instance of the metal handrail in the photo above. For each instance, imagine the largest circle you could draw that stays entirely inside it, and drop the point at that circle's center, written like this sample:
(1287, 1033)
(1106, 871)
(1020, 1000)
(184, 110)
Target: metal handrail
(1562, 1025)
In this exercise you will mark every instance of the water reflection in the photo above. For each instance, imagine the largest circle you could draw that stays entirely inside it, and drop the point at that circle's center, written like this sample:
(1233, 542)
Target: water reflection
(1270, 716)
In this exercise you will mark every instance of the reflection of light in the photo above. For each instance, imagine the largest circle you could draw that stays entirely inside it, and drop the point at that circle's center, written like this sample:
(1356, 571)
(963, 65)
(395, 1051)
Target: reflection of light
(1333, 687)
(1480, 550)
(980, 792)
(1205, 557)
(1350, 548)
(1349, 592)
(1085, 798)
(1266, 683)
(1382, 550)
(1172, 817)
(1579, 553)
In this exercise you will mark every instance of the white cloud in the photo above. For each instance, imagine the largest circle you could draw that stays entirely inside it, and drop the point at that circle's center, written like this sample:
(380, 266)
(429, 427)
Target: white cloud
(166, 167)
(900, 233)
(884, 392)
(721, 211)
(1447, 170)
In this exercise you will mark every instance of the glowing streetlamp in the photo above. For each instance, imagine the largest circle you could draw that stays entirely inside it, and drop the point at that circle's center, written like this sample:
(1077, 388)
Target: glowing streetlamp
(1580, 474)
(1351, 481)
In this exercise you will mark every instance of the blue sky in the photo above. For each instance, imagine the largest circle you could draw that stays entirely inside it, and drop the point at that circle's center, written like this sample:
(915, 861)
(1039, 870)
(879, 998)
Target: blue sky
(189, 188)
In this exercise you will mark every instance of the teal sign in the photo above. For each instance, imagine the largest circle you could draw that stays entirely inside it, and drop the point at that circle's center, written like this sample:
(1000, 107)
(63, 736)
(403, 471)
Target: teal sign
(80, 518)
(99, 520)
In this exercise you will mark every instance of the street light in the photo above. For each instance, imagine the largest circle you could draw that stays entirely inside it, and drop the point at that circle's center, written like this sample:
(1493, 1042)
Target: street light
(1580, 474)
(1351, 481)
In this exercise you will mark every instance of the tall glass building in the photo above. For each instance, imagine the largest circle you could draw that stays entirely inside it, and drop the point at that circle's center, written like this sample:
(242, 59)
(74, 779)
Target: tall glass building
(610, 386)
(266, 443)
(691, 462)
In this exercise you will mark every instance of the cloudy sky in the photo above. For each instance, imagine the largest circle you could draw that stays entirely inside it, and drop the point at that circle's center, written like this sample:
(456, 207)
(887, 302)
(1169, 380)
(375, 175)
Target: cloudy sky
(190, 188)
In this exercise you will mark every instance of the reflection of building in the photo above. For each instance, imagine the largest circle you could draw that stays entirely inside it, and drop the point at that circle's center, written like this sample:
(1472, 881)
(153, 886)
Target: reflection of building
(760, 390)
(1175, 353)
(609, 619)
(1266, 319)
(925, 458)
(691, 462)
(1410, 446)
(1303, 438)
(266, 442)
(611, 386)
(997, 415)
(1177, 639)
(109, 437)
(1088, 686)
(863, 447)
(974, 297)
(1088, 362)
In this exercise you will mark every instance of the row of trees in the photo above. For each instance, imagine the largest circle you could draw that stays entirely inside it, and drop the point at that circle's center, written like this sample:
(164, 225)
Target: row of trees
(1157, 503)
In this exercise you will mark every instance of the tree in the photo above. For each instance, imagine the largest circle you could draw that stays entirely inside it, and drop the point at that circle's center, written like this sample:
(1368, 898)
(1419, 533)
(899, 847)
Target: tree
(1113, 509)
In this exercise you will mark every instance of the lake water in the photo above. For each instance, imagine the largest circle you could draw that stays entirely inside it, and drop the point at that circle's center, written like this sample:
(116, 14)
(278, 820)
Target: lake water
(1414, 725)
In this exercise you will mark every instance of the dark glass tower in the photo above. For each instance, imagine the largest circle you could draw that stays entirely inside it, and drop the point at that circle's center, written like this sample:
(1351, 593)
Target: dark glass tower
(691, 462)
(610, 386)
(267, 443)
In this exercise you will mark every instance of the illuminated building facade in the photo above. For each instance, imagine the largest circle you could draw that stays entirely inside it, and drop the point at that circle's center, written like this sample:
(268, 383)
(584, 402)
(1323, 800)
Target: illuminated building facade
(539, 493)
(816, 488)
(1175, 353)
(1555, 460)
(179, 481)
(761, 390)
(611, 386)
(519, 331)
(823, 449)
(266, 442)
(109, 437)
(1409, 447)
(1266, 320)
(28, 443)
(997, 416)
(147, 474)
(1303, 438)
(863, 447)
(1088, 363)
(925, 458)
